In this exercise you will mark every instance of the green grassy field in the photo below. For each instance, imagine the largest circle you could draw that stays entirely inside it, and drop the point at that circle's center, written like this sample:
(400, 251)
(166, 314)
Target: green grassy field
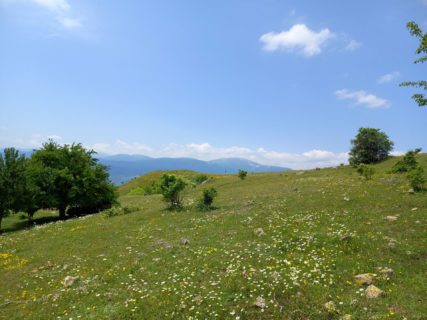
(320, 228)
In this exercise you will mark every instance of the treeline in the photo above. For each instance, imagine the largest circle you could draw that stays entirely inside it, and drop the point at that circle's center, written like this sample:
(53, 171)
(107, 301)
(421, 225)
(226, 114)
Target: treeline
(64, 177)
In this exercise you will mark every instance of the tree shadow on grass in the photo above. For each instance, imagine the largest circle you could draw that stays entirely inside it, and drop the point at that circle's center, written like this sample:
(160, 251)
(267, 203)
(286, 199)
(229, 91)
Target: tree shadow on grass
(21, 224)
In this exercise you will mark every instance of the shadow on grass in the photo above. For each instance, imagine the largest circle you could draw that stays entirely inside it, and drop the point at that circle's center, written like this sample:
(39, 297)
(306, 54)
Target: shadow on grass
(18, 225)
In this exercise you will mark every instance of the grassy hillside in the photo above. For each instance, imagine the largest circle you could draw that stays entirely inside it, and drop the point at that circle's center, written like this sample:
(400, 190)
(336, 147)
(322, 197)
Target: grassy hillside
(280, 245)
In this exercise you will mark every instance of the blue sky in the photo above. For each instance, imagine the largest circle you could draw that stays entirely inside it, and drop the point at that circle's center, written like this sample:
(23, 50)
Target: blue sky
(280, 82)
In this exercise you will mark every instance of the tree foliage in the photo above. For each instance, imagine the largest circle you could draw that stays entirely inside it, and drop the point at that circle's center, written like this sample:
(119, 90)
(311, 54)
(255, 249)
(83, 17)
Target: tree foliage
(416, 31)
(12, 182)
(70, 177)
(208, 196)
(242, 174)
(172, 187)
(370, 146)
(407, 163)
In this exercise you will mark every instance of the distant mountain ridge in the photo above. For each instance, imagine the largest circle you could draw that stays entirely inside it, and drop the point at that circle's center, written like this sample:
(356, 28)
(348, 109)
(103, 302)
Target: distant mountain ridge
(124, 167)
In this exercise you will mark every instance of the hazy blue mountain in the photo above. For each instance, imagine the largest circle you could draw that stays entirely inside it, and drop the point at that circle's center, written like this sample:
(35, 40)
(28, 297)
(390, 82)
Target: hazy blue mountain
(124, 170)
(123, 167)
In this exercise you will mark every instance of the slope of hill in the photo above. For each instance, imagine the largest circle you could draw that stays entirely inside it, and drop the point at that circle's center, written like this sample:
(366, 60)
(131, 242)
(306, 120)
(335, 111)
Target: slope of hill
(278, 246)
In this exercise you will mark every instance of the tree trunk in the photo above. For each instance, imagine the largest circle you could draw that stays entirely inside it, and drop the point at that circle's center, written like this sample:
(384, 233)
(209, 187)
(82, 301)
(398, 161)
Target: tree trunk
(62, 212)
(30, 217)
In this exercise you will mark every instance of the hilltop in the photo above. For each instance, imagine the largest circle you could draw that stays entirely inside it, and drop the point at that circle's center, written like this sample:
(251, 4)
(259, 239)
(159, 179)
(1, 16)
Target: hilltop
(279, 245)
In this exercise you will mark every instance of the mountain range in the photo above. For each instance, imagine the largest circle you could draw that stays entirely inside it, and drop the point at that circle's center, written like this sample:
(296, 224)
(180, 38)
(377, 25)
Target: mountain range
(124, 167)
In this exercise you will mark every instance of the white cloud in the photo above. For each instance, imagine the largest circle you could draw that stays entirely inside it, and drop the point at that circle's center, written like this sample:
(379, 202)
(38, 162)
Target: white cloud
(205, 151)
(298, 38)
(69, 23)
(389, 77)
(54, 5)
(353, 45)
(362, 98)
(60, 10)
(122, 147)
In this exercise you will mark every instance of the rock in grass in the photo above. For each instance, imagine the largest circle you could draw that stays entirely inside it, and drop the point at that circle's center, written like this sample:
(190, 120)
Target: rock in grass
(69, 281)
(259, 232)
(331, 307)
(364, 278)
(260, 302)
(391, 218)
(386, 272)
(346, 317)
(373, 292)
(185, 242)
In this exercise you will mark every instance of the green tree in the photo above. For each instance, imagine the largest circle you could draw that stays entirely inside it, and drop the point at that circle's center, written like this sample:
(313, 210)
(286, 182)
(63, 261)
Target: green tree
(407, 163)
(370, 146)
(208, 196)
(70, 177)
(12, 182)
(172, 187)
(416, 31)
(242, 174)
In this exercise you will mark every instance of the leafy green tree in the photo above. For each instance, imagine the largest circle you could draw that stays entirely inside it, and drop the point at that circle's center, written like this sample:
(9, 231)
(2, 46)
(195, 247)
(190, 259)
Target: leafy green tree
(12, 182)
(172, 187)
(208, 196)
(70, 177)
(242, 174)
(416, 31)
(407, 163)
(370, 146)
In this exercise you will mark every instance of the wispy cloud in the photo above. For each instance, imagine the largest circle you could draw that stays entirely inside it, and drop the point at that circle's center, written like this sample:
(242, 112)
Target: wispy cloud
(69, 23)
(353, 45)
(362, 98)
(54, 5)
(60, 10)
(299, 38)
(389, 77)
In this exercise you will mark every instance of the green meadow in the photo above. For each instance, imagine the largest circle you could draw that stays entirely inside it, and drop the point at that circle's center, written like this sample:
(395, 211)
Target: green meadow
(277, 245)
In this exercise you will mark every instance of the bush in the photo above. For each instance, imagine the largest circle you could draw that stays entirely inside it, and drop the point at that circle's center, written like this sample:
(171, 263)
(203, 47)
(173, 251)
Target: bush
(408, 162)
(119, 211)
(242, 174)
(208, 196)
(137, 191)
(172, 187)
(416, 179)
(199, 179)
(152, 188)
(370, 146)
(366, 171)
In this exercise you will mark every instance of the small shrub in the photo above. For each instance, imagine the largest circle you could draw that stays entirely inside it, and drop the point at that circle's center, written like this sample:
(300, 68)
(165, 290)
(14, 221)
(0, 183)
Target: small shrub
(366, 171)
(242, 174)
(208, 196)
(416, 179)
(138, 191)
(112, 212)
(119, 211)
(408, 162)
(199, 179)
(172, 187)
(153, 188)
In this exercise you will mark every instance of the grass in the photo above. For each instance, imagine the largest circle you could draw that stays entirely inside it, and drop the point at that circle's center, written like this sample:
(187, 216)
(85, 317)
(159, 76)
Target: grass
(319, 229)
